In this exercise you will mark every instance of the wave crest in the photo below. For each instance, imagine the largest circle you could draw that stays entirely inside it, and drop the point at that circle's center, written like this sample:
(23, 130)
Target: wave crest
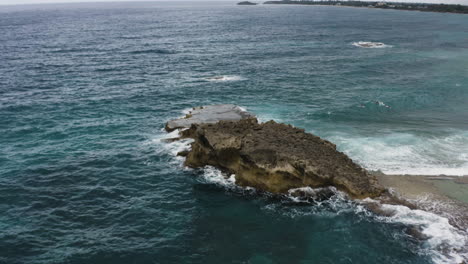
(224, 78)
(370, 45)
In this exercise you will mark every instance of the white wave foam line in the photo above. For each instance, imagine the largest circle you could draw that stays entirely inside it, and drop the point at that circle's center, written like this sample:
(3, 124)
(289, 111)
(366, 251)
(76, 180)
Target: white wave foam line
(171, 148)
(210, 173)
(445, 243)
(445, 208)
(242, 108)
(370, 45)
(335, 205)
(224, 78)
(402, 153)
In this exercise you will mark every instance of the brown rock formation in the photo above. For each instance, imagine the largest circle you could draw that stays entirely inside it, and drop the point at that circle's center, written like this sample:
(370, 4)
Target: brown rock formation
(276, 157)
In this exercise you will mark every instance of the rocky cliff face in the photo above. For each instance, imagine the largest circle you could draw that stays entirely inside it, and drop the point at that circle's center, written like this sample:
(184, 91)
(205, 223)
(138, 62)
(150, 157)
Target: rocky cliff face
(276, 157)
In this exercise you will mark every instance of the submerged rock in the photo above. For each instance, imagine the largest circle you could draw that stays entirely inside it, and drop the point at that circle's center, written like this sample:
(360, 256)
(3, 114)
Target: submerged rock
(208, 114)
(273, 157)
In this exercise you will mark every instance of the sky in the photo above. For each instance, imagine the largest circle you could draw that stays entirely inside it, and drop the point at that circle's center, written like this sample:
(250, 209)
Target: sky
(14, 2)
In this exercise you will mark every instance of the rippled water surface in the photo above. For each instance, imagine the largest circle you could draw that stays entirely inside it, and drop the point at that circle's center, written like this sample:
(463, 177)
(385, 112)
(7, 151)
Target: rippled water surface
(85, 90)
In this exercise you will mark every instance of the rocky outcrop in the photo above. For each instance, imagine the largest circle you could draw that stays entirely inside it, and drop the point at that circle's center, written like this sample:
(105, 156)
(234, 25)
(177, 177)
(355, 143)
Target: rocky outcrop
(275, 157)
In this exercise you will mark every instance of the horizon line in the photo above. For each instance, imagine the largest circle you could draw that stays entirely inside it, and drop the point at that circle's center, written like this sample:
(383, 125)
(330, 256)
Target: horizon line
(148, 1)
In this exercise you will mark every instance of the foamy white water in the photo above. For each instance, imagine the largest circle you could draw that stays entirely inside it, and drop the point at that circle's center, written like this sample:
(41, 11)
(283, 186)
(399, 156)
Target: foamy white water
(370, 44)
(404, 153)
(215, 176)
(445, 243)
(224, 78)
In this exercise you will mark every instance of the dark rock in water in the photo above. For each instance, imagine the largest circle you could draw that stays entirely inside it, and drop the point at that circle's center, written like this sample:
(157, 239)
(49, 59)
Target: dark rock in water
(246, 3)
(183, 153)
(275, 157)
(416, 233)
(308, 194)
(208, 114)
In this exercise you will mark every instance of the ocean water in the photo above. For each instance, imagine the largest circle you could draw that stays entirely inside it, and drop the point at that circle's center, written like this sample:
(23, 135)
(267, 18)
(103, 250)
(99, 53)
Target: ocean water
(85, 90)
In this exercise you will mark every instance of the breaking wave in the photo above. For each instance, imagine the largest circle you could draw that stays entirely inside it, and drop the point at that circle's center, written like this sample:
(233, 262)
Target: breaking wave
(370, 44)
(224, 78)
(442, 241)
(406, 153)
(167, 145)
(214, 176)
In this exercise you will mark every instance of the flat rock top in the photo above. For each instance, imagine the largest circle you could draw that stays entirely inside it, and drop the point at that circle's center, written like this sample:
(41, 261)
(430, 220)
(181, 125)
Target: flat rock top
(209, 115)
(283, 141)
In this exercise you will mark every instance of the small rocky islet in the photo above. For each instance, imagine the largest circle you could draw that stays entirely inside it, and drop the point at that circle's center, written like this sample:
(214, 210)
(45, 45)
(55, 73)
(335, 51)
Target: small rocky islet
(282, 159)
(270, 156)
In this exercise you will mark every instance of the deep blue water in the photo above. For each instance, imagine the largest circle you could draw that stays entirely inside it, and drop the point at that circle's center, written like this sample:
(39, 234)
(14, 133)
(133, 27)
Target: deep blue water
(85, 90)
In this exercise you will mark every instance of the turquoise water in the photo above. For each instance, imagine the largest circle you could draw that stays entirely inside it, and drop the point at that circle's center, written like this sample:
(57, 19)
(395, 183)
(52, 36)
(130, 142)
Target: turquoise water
(85, 90)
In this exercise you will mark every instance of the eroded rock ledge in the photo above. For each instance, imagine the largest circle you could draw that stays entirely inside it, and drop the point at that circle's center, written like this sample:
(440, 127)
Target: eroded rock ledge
(274, 157)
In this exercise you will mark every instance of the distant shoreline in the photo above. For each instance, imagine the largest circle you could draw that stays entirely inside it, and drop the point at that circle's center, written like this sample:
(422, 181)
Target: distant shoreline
(435, 8)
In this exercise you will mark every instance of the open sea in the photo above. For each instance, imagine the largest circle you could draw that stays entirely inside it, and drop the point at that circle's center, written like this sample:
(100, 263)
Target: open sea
(85, 91)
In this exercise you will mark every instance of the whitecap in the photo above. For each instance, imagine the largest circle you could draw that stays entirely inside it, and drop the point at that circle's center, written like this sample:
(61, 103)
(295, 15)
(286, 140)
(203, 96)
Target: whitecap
(370, 44)
(380, 103)
(224, 78)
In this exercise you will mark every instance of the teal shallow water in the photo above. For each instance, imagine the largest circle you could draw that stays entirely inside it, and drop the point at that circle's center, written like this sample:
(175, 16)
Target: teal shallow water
(85, 90)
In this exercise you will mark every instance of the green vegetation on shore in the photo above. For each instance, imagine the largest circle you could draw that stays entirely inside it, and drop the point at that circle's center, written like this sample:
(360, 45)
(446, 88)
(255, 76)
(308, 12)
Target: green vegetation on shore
(460, 9)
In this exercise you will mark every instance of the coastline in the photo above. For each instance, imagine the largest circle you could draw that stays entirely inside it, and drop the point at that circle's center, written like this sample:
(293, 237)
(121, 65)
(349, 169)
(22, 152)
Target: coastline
(353, 6)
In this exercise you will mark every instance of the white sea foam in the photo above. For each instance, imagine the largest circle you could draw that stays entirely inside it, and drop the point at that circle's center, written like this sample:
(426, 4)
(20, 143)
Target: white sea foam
(404, 153)
(215, 176)
(445, 243)
(164, 145)
(224, 78)
(380, 103)
(370, 44)
(210, 174)
(306, 190)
